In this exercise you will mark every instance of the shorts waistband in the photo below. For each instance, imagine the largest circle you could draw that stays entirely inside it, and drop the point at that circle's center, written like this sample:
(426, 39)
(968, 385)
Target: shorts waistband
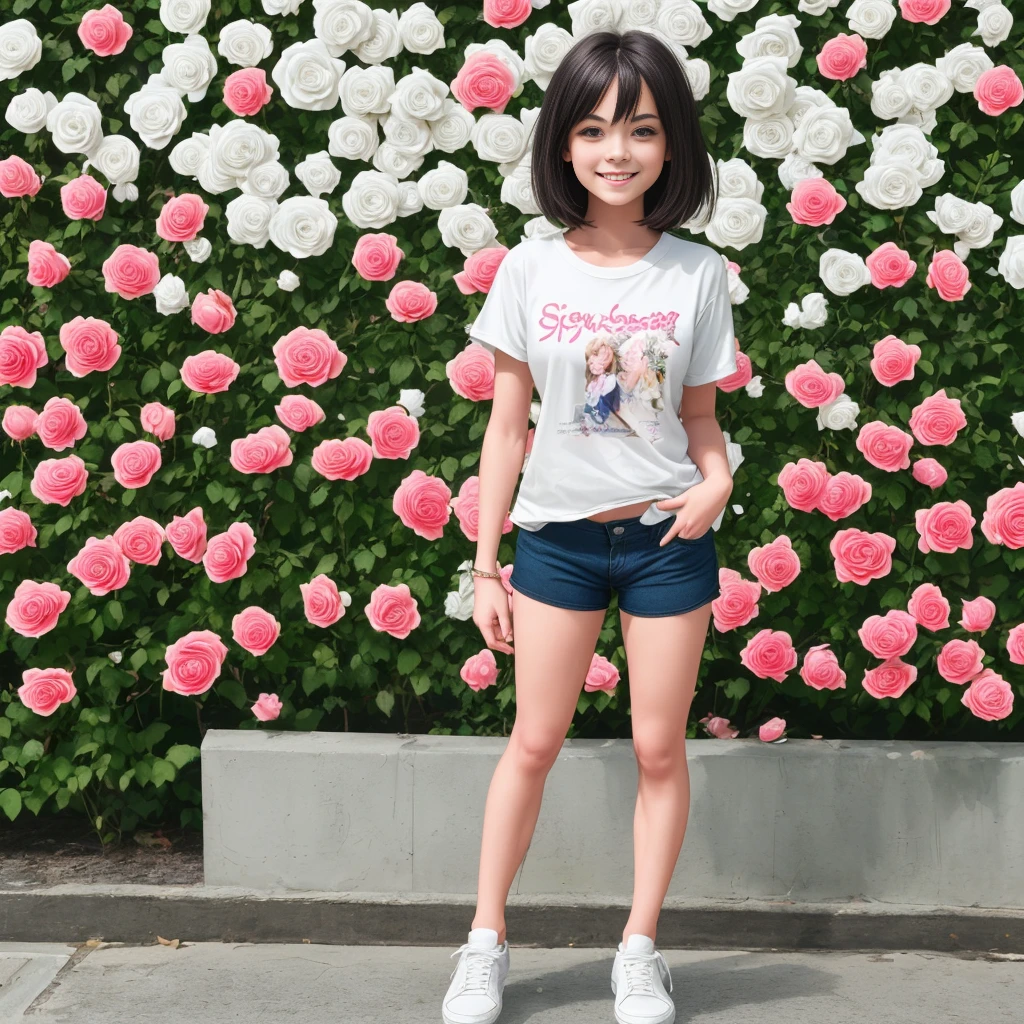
(613, 528)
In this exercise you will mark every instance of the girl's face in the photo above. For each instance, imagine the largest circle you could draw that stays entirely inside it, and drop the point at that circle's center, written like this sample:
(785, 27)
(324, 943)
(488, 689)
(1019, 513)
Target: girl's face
(636, 146)
(601, 359)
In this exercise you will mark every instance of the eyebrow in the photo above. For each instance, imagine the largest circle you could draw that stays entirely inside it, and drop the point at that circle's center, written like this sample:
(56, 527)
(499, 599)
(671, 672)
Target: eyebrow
(639, 117)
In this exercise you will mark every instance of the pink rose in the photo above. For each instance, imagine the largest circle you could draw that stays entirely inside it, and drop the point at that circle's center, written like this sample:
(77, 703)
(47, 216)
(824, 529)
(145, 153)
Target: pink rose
(227, 555)
(181, 219)
(16, 530)
(821, 669)
(307, 356)
(43, 690)
(422, 503)
(771, 730)
(376, 256)
(890, 679)
(471, 373)
(209, 372)
(321, 601)
(737, 603)
(930, 473)
(861, 557)
(46, 266)
(959, 661)
(410, 301)
(977, 614)
(719, 727)
(769, 654)
(213, 311)
(741, 378)
(393, 432)
(484, 80)
(267, 708)
(890, 266)
(187, 535)
(101, 566)
(812, 387)
(140, 540)
(1014, 639)
(19, 421)
(60, 424)
(480, 670)
(989, 696)
(945, 527)
(269, 448)
(342, 459)
(843, 495)
(803, 483)
(602, 675)
(57, 481)
(884, 446)
(131, 271)
(937, 419)
(194, 662)
(894, 360)
(18, 178)
(948, 275)
(89, 345)
(890, 635)
(998, 89)
(135, 463)
(1003, 519)
(158, 420)
(506, 14)
(104, 31)
(393, 610)
(929, 608)
(21, 354)
(467, 509)
(36, 607)
(246, 91)
(843, 56)
(477, 274)
(775, 565)
(927, 11)
(83, 198)
(815, 201)
(299, 413)
(255, 629)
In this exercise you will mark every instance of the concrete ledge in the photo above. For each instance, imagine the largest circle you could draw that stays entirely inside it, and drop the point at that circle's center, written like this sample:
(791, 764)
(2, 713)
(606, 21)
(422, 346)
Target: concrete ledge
(931, 823)
(138, 913)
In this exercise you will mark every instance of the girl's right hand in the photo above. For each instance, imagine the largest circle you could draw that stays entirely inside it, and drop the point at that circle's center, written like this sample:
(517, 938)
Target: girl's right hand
(492, 614)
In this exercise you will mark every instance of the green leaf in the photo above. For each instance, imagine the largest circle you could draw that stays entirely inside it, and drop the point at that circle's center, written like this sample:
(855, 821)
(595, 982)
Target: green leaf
(385, 701)
(408, 659)
(181, 754)
(10, 802)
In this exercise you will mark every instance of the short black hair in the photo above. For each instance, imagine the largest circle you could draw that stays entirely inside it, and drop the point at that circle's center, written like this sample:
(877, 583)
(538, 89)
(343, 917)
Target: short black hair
(686, 186)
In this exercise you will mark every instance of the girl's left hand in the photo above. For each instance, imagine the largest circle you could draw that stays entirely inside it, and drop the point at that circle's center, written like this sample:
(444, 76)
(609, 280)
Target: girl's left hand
(699, 506)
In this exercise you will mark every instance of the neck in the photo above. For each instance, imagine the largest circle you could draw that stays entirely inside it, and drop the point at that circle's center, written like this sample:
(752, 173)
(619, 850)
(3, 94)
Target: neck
(616, 228)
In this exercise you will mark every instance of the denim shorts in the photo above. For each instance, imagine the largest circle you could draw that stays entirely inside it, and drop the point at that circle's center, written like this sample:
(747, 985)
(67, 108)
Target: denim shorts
(576, 564)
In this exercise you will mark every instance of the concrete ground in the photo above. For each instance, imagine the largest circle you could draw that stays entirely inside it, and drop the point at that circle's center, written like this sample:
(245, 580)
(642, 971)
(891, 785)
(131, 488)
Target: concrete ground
(218, 983)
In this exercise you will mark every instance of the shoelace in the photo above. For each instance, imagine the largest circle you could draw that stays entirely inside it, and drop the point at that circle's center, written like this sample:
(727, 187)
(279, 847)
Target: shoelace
(638, 968)
(478, 966)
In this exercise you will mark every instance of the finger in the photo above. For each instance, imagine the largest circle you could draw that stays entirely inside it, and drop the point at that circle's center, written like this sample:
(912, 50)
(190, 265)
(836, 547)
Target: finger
(505, 624)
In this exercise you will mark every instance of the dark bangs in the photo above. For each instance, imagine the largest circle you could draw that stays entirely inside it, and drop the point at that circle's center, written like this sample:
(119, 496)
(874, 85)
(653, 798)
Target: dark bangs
(686, 186)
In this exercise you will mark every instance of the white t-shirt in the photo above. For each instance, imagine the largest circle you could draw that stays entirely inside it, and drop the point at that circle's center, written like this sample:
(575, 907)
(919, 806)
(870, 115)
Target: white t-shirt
(610, 350)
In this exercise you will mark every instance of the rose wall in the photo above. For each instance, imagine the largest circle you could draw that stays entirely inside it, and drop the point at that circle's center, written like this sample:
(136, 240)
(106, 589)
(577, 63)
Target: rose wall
(241, 245)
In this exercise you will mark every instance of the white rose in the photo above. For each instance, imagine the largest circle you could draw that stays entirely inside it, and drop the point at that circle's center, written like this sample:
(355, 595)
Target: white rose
(889, 96)
(639, 14)
(825, 134)
(318, 174)
(1011, 261)
(890, 185)
(871, 19)
(517, 190)
(453, 129)
(409, 199)
(75, 124)
(155, 112)
(683, 23)
(994, 24)
(728, 9)
(773, 36)
(594, 16)
(951, 214)
(541, 227)
(737, 222)
(412, 400)
(460, 604)
(505, 54)
(761, 88)
(198, 248)
(303, 226)
(754, 387)
(125, 192)
(28, 110)
(237, 146)
(308, 75)
(265, 181)
(927, 87)
(410, 136)
(1017, 419)
(249, 220)
(500, 138)
(420, 29)
(964, 65)
(341, 24)
(544, 51)
(909, 142)
(841, 272)
(698, 74)
(189, 67)
(467, 228)
(389, 159)
(807, 98)
(206, 436)
(189, 154)
(816, 8)
(371, 200)
(384, 43)
(21, 49)
(185, 16)
(840, 414)
(212, 179)
(353, 138)
(1017, 202)
(771, 138)
(738, 180)
(245, 43)
(814, 311)
(287, 281)
(171, 295)
(446, 185)
(117, 159)
(791, 315)
(980, 230)
(282, 7)
(419, 95)
(795, 168)
(365, 91)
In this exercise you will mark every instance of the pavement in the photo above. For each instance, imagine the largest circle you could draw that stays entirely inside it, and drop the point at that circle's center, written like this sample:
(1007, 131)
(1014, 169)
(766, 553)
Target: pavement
(269, 983)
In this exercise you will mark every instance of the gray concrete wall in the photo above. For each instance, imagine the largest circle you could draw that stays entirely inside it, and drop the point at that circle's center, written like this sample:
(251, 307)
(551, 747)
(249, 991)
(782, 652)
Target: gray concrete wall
(807, 820)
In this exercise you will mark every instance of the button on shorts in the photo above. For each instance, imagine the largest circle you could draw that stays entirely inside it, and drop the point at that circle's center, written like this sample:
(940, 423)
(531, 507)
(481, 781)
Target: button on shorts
(577, 564)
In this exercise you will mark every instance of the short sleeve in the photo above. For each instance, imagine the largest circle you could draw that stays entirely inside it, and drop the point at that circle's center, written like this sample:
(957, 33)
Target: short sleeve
(501, 322)
(713, 355)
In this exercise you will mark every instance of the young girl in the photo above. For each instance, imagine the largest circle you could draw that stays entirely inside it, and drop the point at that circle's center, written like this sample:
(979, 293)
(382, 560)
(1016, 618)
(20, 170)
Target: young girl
(619, 158)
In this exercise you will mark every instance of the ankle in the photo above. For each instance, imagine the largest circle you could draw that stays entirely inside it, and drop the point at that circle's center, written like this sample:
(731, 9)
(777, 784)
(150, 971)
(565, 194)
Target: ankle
(500, 929)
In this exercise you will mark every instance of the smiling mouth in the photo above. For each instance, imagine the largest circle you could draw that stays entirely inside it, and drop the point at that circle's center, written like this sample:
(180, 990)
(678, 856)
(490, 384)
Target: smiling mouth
(616, 177)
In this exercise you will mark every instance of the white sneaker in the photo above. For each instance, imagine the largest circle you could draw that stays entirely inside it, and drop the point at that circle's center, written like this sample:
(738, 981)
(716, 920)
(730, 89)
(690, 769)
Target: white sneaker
(474, 996)
(640, 996)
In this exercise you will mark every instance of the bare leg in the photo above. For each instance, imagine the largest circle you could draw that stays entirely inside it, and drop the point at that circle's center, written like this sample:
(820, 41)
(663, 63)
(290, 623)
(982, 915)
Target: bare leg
(553, 651)
(663, 656)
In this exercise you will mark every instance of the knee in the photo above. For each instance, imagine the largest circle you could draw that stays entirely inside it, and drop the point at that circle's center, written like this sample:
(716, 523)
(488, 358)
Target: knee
(660, 756)
(535, 750)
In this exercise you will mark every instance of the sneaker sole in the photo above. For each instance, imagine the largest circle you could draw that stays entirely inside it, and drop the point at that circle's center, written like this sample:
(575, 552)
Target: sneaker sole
(622, 1018)
(448, 1018)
